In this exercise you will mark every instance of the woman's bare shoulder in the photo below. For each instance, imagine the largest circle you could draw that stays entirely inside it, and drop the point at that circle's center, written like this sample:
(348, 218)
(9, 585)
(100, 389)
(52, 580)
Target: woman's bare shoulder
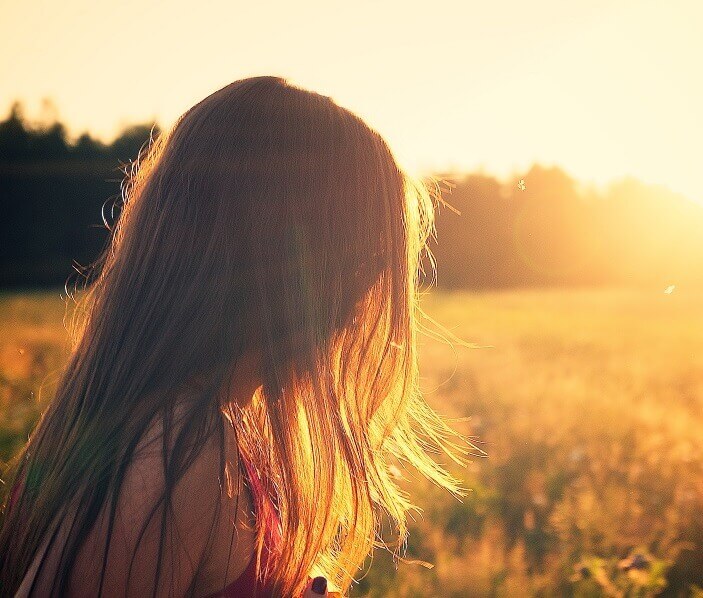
(200, 535)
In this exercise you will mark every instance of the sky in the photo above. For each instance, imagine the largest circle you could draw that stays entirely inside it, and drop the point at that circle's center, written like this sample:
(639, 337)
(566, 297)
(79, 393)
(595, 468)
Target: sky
(603, 89)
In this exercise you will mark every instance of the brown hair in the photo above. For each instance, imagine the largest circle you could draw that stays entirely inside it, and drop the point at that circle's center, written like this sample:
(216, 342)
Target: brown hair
(268, 216)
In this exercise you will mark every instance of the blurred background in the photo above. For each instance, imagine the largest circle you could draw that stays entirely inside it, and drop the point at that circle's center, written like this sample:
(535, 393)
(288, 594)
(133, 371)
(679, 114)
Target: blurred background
(565, 139)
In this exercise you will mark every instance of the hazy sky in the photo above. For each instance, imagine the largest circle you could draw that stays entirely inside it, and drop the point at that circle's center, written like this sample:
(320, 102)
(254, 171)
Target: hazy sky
(604, 88)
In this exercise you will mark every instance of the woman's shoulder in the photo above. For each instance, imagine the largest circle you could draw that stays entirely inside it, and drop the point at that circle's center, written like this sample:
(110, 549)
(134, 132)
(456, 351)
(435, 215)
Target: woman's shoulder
(200, 535)
(211, 510)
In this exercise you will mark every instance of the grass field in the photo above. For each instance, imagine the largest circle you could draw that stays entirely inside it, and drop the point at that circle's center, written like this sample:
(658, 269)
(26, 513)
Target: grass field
(589, 406)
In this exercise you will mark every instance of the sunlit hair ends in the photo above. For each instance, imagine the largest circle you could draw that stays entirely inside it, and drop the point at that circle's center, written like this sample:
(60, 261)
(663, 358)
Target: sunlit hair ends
(267, 218)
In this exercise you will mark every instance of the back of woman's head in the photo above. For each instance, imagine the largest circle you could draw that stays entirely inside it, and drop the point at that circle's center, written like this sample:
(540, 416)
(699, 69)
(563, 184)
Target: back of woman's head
(268, 219)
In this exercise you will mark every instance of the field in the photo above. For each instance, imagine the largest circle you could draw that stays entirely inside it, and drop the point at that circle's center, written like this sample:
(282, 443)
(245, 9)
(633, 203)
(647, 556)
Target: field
(588, 405)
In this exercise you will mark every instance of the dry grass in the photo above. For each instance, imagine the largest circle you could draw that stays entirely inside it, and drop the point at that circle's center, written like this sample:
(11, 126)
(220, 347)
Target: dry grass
(589, 406)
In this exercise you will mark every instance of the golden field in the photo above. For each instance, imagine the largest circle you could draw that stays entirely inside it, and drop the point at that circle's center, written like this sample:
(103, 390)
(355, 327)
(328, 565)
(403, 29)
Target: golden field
(588, 405)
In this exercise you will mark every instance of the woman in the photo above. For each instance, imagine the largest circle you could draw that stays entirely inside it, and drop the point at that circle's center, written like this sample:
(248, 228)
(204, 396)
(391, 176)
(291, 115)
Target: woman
(245, 378)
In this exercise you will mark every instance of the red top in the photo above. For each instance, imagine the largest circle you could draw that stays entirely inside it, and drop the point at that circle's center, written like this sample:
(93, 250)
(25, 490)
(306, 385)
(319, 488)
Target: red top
(247, 584)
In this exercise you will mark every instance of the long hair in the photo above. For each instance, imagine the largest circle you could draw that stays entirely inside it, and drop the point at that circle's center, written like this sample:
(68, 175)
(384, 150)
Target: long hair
(267, 217)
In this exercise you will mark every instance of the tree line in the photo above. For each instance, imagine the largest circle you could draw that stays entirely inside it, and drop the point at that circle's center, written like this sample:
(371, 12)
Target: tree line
(543, 228)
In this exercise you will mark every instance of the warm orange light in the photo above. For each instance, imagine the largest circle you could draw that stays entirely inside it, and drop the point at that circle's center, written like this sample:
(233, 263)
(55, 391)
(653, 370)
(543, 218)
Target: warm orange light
(602, 89)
